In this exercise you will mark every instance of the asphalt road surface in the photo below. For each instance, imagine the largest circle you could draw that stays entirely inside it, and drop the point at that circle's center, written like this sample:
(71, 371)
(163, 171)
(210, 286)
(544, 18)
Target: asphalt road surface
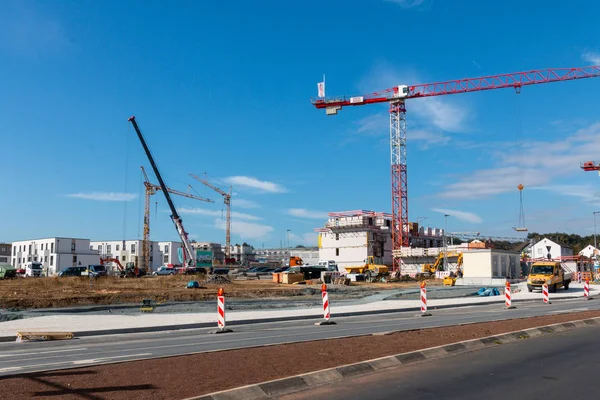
(558, 366)
(17, 358)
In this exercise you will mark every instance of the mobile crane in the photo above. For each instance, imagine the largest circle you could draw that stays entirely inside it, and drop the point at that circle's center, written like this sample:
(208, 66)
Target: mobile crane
(188, 251)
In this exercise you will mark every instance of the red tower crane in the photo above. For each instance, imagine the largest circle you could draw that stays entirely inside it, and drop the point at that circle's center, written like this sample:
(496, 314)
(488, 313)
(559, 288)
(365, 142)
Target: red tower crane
(396, 97)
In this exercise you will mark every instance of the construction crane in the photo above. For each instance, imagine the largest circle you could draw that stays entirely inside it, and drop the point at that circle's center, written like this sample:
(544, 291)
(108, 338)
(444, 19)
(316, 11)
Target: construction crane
(227, 201)
(396, 98)
(188, 253)
(151, 189)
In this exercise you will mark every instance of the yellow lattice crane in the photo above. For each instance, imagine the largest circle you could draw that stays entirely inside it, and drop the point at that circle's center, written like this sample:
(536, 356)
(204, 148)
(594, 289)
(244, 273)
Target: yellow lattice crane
(227, 201)
(151, 190)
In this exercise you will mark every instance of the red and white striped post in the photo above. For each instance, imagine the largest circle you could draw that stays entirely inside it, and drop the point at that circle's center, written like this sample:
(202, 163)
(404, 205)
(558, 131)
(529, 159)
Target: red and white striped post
(586, 289)
(326, 313)
(507, 297)
(545, 294)
(221, 313)
(424, 312)
(578, 276)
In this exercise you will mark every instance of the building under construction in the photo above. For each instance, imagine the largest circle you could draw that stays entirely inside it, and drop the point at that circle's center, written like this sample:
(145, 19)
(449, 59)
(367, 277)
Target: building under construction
(349, 237)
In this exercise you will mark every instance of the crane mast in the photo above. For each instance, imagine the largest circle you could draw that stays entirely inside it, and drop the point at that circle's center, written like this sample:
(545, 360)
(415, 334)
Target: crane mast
(191, 257)
(151, 190)
(396, 97)
(227, 201)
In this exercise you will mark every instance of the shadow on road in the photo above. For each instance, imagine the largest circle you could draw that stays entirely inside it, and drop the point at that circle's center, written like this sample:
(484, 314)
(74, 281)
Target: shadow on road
(56, 389)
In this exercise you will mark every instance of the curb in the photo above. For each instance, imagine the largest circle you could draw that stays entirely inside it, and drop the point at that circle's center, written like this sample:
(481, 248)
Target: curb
(317, 315)
(279, 387)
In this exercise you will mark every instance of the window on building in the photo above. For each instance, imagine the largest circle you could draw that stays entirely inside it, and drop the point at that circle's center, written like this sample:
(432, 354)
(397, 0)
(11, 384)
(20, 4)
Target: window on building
(166, 259)
(337, 252)
(29, 258)
(117, 247)
(45, 258)
(52, 247)
(99, 248)
(337, 236)
(73, 246)
(14, 251)
(34, 258)
(14, 262)
(74, 259)
(123, 258)
(166, 249)
(151, 258)
(370, 221)
(108, 248)
(29, 249)
(133, 247)
(51, 260)
(151, 247)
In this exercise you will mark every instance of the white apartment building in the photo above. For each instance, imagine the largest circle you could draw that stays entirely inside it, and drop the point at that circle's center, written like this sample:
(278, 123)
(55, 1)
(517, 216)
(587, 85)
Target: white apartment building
(243, 253)
(349, 237)
(55, 254)
(128, 251)
(168, 252)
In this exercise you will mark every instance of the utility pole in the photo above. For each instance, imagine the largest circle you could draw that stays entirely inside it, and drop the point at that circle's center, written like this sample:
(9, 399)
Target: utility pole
(288, 240)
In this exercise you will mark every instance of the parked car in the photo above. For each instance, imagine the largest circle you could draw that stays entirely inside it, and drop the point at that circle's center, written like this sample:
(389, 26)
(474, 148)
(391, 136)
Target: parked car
(74, 271)
(164, 270)
(97, 270)
(7, 271)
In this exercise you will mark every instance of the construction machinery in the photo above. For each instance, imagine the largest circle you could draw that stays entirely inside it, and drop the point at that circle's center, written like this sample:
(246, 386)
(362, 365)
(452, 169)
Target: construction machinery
(227, 201)
(369, 269)
(295, 261)
(396, 98)
(130, 270)
(188, 252)
(457, 261)
(151, 189)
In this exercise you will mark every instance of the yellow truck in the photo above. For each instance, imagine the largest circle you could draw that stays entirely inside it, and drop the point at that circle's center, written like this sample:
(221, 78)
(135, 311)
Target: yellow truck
(369, 269)
(550, 273)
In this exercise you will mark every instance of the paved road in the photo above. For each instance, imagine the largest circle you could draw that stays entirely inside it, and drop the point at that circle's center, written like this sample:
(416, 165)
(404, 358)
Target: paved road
(23, 357)
(560, 366)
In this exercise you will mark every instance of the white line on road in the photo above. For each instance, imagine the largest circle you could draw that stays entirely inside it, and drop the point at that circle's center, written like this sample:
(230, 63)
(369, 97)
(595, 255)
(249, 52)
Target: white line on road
(97, 360)
(35, 353)
(10, 369)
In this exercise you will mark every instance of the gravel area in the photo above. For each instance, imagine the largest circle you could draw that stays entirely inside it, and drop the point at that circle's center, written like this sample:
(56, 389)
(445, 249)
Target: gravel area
(186, 376)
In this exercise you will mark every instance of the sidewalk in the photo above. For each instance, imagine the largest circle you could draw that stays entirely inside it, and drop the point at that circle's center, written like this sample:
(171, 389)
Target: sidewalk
(86, 325)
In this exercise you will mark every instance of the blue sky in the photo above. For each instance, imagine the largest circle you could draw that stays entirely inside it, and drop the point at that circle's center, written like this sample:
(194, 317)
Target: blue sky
(224, 88)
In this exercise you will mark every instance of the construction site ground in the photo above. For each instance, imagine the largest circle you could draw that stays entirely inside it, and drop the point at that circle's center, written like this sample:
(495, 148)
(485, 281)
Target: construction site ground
(170, 291)
(172, 377)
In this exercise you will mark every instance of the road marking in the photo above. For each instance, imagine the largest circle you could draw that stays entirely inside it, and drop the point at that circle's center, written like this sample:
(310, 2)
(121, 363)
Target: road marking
(16, 353)
(568, 311)
(97, 360)
(10, 369)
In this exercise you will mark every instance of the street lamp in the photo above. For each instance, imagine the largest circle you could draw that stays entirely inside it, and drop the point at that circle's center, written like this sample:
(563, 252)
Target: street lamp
(288, 239)
(595, 244)
(445, 242)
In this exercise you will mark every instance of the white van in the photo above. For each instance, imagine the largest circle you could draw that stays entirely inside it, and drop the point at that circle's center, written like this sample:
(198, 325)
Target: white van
(33, 269)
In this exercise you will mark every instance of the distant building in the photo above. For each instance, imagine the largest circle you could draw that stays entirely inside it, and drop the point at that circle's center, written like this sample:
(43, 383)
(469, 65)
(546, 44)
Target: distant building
(546, 248)
(128, 251)
(168, 252)
(55, 254)
(309, 255)
(216, 248)
(243, 253)
(5, 250)
(589, 251)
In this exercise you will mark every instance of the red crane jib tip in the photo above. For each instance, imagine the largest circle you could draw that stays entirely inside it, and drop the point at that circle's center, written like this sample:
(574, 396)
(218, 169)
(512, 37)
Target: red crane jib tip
(131, 118)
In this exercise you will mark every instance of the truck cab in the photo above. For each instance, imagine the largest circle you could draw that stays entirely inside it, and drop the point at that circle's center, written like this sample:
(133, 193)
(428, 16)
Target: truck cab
(550, 273)
(33, 269)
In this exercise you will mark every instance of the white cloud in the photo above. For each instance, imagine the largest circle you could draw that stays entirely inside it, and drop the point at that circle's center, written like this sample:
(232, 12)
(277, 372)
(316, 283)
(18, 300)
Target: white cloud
(591, 57)
(310, 214)
(248, 181)
(540, 163)
(104, 196)
(246, 230)
(588, 193)
(408, 3)
(379, 125)
(462, 215)
(306, 239)
(241, 203)
(218, 213)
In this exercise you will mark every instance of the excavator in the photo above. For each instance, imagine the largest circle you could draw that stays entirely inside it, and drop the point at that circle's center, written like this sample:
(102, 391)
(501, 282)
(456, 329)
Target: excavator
(130, 270)
(438, 265)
